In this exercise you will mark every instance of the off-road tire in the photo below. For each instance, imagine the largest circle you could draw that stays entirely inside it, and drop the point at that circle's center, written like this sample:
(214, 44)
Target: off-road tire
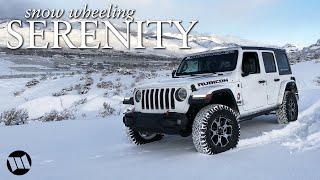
(287, 111)
(135, 137)
(205, 122)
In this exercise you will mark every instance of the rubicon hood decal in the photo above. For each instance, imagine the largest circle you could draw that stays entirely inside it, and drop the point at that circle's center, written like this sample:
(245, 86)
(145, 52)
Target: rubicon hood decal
(212, 82)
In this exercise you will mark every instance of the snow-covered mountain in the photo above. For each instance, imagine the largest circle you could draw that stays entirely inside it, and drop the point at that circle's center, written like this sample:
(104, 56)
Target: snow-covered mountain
(305, 54)
(290, 48)
(313, 51)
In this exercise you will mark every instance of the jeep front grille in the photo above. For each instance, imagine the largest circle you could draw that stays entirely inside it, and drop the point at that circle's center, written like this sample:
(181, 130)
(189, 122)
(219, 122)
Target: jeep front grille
(158, 98)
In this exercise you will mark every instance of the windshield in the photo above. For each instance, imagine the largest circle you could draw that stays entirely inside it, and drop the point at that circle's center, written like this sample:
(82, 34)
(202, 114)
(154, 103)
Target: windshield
(208, 63)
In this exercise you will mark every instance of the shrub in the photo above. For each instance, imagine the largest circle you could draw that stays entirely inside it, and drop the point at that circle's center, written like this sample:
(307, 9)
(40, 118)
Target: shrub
(64, 91)
(70, 88)
(43, 77)
(83, 90)
(60, 93)
(32, 83)
(125, 71)
(140, 77)
(105, 84)
(85, 87)
(107, 110)
(106, 72)
(82, 78)
(79, 102)
(57, 115)
(90, 71)
(88, 81)
(18, 93)
(83, 115)
(14, 117)
(317, 80)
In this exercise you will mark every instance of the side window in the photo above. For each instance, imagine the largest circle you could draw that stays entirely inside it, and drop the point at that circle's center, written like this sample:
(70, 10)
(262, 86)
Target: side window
(283, 63)
(250, 63)
(269, 62)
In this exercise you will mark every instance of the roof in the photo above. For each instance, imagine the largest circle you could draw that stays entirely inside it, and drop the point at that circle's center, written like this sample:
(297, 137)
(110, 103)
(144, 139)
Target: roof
(261, 48)
(236, 48)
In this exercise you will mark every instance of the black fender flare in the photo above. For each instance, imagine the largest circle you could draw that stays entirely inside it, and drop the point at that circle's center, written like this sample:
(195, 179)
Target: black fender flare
(209, 99)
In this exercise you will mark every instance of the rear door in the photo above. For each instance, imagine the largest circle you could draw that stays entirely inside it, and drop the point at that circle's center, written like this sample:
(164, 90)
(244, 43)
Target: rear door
(254, 93)
(272, 76)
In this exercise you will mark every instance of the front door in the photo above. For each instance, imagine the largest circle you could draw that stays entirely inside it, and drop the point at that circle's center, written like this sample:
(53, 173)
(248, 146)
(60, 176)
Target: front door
(253, 84)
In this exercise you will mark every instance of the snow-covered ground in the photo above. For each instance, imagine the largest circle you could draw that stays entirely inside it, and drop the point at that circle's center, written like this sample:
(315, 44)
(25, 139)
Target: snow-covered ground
(93, 147)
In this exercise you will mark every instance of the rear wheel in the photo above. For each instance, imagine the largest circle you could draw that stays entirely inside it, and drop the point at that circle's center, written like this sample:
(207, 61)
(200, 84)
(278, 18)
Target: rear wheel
(288, 110)
(215, 129)
(139, 138)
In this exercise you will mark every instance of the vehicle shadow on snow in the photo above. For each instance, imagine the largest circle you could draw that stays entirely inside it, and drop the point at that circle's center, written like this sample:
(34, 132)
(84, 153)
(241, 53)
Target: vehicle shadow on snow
(258, 126)
(249, 129)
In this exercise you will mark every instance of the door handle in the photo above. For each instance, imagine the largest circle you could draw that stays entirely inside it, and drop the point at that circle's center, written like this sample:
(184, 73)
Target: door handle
(276, 80)
(262, 81)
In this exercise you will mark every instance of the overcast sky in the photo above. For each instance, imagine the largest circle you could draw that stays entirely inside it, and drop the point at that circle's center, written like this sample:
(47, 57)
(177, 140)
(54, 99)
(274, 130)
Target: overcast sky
(268, 21)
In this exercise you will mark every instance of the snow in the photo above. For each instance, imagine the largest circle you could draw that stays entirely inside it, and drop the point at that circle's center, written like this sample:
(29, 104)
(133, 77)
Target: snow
(97, 149)
(51, 103)
(91, 147)
(306, 73)
(4, 69)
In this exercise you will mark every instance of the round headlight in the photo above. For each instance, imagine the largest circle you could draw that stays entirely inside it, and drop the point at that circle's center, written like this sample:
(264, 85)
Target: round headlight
(137, 96)
(181, 94)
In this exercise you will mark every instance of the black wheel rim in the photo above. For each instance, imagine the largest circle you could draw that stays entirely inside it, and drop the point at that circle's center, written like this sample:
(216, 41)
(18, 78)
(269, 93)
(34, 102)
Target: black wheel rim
(147, 135)
(221, 131)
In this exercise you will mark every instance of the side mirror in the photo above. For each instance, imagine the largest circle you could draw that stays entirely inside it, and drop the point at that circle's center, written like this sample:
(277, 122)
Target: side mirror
(173, 74)
(128, 100)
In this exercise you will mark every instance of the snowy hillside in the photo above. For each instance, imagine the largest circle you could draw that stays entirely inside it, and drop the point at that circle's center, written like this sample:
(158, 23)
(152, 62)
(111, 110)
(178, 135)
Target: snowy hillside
(307, 53)
(91, 144)
(313, 51)
(290, 48)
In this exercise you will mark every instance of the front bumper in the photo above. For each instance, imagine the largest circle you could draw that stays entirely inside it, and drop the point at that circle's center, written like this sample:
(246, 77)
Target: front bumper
(168, 123)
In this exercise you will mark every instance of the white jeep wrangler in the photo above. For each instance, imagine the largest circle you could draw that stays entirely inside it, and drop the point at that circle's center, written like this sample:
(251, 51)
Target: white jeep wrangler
(210, 93)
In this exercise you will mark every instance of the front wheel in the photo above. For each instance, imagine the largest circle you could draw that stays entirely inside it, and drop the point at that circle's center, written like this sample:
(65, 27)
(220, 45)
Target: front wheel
(139, 138)
(288, 110)
(215, 129)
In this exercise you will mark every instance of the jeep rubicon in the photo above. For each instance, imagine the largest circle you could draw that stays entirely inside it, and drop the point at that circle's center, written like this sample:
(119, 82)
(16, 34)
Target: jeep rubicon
(210, 93)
